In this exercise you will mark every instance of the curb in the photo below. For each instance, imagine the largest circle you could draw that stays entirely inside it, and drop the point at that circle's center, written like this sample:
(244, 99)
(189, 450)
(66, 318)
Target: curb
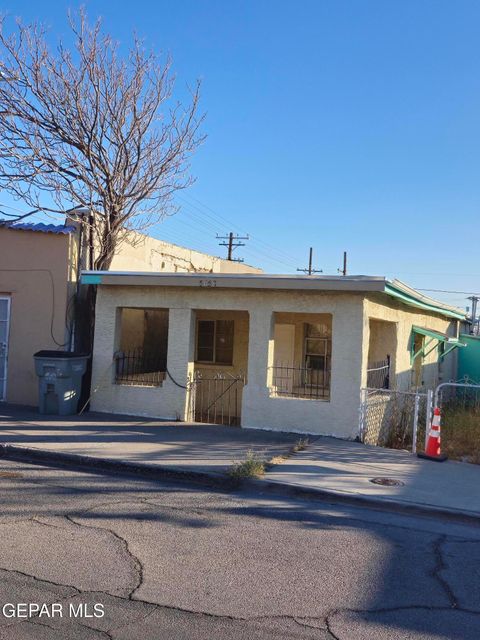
(223, 481)
(93, 463)
(358, 500)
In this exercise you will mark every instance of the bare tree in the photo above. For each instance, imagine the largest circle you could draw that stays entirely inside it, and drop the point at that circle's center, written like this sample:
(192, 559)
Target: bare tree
(91, 129)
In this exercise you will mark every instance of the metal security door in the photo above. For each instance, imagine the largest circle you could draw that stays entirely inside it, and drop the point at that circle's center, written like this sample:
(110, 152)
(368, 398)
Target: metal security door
(4, 327)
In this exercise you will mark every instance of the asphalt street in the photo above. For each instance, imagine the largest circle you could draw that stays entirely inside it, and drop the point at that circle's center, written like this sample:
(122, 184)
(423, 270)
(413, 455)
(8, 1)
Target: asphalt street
(171, 561)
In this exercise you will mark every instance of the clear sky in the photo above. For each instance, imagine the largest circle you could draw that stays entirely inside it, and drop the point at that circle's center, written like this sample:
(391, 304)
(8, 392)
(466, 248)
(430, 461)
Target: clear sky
(339, 124)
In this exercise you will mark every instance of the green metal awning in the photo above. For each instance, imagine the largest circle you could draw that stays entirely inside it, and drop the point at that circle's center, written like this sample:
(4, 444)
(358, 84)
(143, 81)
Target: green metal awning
(413, 298)
(435, 339)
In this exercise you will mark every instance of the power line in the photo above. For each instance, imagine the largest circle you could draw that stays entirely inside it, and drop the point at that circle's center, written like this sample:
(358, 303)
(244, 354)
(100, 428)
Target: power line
(467, 293)
(279, 258)
(216, 217)
(206, 221)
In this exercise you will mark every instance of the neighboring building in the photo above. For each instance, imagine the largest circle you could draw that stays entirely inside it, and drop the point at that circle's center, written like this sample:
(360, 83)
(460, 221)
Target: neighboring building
(38, 282)
(469, 359)
(36, 279)
(264, 351)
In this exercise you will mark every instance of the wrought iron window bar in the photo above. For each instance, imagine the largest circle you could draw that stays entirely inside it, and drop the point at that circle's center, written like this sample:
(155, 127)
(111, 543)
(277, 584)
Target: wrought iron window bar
(136, 368)
(300, 382)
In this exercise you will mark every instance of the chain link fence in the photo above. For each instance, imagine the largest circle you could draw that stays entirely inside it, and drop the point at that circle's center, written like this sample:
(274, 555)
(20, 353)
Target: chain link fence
(394, 419)
(459, 402)
(459, 394)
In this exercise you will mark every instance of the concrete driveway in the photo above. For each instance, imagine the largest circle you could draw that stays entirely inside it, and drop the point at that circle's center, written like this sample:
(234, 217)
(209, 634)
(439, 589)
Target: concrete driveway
(189, 447)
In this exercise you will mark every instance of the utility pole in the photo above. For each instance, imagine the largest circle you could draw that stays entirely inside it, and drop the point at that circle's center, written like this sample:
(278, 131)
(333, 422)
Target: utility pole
(310, 270)
(231, 245)
(474, 300)
(344, 270)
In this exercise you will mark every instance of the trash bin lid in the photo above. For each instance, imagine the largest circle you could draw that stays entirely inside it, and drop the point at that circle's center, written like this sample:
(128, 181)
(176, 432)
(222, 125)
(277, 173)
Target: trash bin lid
(59, 354)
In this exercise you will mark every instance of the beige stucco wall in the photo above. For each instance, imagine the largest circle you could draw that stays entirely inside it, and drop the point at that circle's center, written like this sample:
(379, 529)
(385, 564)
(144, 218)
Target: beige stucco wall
(145, 253)
(338, 416)
(383, 308)
(34, 273)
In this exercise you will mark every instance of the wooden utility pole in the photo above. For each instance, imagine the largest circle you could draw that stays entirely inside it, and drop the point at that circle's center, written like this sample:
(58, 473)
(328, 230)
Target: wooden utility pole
(344, 270)
(231, 245)
(310, 269)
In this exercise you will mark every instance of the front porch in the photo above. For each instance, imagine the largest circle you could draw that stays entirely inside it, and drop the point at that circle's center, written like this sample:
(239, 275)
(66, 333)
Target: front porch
(298, 362)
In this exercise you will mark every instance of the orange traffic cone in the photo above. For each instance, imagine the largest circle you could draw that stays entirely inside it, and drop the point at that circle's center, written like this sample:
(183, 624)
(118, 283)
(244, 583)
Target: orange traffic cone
(432, 450)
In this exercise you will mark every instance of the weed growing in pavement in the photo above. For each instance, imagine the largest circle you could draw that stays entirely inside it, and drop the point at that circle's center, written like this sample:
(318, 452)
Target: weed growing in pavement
(252, 467)
(300, 445)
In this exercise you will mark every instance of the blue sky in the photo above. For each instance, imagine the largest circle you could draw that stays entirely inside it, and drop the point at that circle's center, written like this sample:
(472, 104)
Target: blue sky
(343, 125)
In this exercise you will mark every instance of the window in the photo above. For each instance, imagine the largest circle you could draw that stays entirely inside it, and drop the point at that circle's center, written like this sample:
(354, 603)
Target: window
(215, 341)
(143, 341)
(318, 351)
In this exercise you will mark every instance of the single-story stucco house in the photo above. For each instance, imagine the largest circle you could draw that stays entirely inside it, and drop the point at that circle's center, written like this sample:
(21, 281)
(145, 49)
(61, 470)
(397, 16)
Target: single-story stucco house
(280, 352)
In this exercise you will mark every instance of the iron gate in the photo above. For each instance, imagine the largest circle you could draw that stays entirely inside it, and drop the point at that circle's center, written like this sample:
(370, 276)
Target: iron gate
(216, 397)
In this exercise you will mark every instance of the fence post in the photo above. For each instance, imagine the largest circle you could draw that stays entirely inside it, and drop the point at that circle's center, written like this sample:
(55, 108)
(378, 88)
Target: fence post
(361, 414)
(415, 423)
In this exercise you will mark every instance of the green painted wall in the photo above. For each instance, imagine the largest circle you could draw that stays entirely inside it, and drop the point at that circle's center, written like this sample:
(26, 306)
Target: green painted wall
(469, 358)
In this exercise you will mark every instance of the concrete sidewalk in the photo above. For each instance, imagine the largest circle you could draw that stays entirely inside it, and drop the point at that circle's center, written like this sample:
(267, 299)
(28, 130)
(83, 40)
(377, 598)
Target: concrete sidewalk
(342, 468)
(191, 448)
(328, 467)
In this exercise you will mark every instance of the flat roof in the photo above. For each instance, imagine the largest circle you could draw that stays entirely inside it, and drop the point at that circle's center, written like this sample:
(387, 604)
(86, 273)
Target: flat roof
(360, 283)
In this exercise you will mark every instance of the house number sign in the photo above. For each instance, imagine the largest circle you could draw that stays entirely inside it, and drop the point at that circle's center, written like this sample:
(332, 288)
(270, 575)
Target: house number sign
(208, 283)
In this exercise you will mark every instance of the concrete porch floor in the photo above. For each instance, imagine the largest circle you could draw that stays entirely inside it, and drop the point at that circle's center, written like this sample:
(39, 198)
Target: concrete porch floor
(191, 447)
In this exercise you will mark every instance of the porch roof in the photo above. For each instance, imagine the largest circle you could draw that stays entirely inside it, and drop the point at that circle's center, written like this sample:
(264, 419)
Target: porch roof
(355, 284)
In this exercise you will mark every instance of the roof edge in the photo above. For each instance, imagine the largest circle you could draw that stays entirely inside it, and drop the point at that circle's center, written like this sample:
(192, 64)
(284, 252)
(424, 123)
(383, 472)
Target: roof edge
(236, 280)
(348, 284)
(406, 294)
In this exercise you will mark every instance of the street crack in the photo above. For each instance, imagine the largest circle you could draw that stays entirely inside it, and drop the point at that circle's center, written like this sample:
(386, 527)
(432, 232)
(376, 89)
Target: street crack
(439, 567)
(124, 543)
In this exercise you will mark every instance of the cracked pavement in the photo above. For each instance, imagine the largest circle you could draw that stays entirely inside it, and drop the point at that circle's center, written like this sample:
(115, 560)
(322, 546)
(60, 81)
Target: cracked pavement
(180, 562)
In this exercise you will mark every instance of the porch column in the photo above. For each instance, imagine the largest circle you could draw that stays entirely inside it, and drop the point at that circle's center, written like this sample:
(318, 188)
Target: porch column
(260, 359)
(181, 334)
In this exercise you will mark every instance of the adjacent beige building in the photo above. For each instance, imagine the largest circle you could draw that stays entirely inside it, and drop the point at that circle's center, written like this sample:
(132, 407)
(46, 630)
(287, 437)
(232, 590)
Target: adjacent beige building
(39, 264)
(35, 287)
(264, 351)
